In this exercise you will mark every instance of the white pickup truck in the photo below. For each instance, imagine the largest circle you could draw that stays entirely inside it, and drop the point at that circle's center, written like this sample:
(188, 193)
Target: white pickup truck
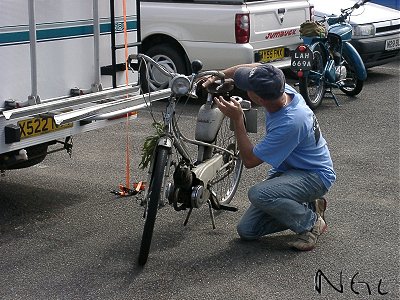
(221, 33)
(56, 59)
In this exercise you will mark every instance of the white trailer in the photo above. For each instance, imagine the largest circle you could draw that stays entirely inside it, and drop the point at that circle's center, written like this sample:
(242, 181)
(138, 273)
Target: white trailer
(59, 59)
(62, 62)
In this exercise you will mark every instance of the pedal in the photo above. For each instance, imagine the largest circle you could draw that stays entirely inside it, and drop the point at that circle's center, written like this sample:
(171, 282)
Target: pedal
(210, 207)
(188, 216)
(228, 208)
(213, 201)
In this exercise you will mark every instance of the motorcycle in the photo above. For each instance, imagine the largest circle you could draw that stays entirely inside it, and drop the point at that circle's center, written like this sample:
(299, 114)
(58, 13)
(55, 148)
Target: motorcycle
(325, 61)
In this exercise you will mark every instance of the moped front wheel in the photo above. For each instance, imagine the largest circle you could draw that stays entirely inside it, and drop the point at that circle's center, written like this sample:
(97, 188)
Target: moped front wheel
(352, 86)
(154, 194)
(226, 182)
(312, 85)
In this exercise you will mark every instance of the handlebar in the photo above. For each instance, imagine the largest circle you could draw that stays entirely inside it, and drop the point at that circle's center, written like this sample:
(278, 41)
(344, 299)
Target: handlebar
(176, 78)
(345, 13)
(139, 56)
(360, 3)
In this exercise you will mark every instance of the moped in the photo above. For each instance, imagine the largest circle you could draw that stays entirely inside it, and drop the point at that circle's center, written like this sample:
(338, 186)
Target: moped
(326, 61)
(179, 175)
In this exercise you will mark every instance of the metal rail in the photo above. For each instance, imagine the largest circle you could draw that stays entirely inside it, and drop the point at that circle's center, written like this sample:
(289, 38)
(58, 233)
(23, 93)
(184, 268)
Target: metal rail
(49, 106)
(112, 109)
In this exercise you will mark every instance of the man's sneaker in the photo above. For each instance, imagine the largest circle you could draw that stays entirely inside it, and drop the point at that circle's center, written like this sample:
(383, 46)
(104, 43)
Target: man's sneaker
(306, 241)
(320, 207)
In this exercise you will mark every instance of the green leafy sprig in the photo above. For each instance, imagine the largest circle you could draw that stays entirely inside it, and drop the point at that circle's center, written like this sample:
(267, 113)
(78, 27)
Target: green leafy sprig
(150, 144)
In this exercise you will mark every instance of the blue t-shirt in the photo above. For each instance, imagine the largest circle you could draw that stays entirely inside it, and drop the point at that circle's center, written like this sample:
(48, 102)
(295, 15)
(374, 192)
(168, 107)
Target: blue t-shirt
(294, 140)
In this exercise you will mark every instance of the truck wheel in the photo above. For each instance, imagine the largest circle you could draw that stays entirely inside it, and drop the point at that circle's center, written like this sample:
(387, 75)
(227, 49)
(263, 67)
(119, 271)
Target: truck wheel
(36, 154)
(171, 59)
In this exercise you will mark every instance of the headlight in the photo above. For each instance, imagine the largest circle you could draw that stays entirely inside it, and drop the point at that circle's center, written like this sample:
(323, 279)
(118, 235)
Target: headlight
(180, 85)
(360, 31)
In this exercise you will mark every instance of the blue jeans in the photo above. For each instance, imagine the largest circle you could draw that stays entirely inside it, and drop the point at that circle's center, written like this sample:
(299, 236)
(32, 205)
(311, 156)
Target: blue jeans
(281, 202)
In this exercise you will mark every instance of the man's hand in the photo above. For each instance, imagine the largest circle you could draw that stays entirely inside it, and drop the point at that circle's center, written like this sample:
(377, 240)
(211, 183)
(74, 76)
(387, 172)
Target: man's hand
(208, 81)
(231, 109)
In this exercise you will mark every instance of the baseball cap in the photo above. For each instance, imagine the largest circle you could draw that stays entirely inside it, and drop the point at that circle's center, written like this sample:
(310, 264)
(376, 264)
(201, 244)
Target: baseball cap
(265, 80)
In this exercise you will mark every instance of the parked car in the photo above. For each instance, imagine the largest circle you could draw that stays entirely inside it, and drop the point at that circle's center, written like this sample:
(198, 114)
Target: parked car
(389, 3)
(376, 29)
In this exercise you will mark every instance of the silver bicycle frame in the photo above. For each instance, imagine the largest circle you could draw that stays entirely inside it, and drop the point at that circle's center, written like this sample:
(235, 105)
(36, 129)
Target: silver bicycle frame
(205, 170)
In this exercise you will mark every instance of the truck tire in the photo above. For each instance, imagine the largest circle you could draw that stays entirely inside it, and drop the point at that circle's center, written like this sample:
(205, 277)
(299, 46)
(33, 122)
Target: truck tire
(36, 154)
(173, 60)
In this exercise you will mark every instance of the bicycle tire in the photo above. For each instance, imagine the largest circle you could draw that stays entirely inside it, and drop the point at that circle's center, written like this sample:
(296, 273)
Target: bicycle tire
(154, 195)
(312, 87)
(226, 187)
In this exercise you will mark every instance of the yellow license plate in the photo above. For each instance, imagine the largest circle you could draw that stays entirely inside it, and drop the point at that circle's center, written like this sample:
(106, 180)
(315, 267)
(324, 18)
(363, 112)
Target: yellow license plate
(272, 54)
(37, 126)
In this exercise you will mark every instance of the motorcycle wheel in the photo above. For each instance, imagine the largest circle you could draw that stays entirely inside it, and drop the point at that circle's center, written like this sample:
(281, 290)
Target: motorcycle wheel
(312, 86)
(155, 193)
(352, 85)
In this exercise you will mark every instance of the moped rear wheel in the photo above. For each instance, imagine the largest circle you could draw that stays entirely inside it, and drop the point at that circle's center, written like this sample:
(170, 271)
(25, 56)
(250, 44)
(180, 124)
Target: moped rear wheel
(352, 85)
(154, 194)
(312, 86)
(225, 184)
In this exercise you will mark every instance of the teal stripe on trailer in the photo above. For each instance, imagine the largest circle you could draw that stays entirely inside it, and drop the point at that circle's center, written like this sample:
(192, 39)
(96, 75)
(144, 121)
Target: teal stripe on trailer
(14, 37)
(22, 37)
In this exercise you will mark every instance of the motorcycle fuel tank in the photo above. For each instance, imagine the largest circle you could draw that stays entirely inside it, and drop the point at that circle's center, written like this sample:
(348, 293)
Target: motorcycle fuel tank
(344, 30)
(209, 120)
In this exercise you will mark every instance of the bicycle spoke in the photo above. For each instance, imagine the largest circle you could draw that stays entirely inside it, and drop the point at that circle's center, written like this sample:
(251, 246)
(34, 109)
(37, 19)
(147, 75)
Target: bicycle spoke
(225, 183)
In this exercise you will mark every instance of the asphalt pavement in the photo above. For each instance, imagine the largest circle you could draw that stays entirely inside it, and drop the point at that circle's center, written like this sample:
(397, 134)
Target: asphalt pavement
(63, 235)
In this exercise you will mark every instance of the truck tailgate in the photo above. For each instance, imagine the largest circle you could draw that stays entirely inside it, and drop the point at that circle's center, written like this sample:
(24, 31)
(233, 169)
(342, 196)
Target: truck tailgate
(276, 23)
